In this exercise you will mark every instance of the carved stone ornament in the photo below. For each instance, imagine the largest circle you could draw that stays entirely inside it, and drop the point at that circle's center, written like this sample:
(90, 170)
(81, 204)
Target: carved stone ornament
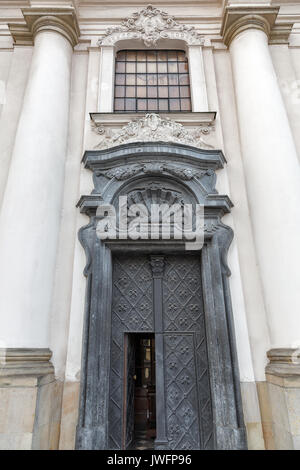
(157, 264)
(126, 172)
(153, 128)
(155, 285)
(151, 24)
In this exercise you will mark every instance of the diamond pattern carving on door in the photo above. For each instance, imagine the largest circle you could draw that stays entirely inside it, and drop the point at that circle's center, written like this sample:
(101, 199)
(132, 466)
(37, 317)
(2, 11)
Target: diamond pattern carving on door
(182, 292)
(131, 311)
(189, 407)
(181, 392)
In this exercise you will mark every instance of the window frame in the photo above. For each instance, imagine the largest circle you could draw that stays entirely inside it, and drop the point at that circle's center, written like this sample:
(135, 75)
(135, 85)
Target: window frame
(169, 87)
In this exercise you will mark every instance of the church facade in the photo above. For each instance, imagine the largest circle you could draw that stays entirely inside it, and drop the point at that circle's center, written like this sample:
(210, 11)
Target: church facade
(149, 224)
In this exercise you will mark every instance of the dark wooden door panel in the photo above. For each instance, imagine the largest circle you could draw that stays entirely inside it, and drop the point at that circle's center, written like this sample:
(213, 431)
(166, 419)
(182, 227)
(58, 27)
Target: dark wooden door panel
(131, 312)
(188, 394)
(128, 398)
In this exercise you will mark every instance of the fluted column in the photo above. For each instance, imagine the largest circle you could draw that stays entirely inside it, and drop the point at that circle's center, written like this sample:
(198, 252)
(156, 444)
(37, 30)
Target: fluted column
(271, 167)
(31, 208)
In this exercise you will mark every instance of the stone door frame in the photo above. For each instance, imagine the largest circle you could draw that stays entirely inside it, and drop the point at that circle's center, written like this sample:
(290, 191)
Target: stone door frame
(92, 429)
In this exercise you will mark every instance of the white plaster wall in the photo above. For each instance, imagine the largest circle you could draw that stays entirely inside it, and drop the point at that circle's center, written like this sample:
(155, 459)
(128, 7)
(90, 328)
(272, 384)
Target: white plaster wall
(73, 364)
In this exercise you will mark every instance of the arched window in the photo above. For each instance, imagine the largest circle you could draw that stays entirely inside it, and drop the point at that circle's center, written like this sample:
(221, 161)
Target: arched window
(152, 80)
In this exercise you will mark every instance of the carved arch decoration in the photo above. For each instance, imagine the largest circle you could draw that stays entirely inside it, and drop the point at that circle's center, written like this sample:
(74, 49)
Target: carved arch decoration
(150, 25)
(188, 173)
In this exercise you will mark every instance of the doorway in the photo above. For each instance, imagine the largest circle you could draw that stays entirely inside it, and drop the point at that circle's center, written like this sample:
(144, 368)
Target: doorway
(146, 286)
(139, 392)
(161, 294)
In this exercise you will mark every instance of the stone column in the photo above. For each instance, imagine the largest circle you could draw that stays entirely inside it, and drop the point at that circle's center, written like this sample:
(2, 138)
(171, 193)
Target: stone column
(271, 168)
(31, 208)
(30, 221)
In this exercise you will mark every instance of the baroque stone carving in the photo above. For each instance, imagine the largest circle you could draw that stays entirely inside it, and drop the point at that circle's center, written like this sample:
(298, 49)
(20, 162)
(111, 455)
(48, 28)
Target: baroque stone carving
(127, 172)
(157, 264)
(150, 128)
(151, 24)
(195, 300)
(154, 192)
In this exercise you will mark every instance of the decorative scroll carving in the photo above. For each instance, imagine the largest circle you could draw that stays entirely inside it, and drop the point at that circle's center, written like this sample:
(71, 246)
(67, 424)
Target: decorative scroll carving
(86, 235)
(122, 173)
(149, 25)
(225, 235)
(127, 172)
(153, 128)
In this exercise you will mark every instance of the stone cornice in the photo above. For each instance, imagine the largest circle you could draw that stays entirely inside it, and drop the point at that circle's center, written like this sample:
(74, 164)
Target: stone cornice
(239, 19)
(121, 119)
(280, 33)
(60, 20)
(25, 361)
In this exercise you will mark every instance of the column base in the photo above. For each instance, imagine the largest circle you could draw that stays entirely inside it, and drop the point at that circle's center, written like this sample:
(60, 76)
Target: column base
(228, 438)
(161, 444)
(91, 438)
(283, 378)
(30, 400)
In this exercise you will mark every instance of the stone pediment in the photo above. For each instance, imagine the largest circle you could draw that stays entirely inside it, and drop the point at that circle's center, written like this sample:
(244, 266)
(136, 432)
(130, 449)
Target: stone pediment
(153, 128)
(149, 25)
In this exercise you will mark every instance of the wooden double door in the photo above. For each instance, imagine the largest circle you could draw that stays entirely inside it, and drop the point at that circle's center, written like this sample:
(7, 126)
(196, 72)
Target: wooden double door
(158, 299)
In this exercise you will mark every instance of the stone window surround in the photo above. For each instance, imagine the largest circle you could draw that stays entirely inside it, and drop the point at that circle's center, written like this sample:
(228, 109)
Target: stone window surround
(196, 70)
